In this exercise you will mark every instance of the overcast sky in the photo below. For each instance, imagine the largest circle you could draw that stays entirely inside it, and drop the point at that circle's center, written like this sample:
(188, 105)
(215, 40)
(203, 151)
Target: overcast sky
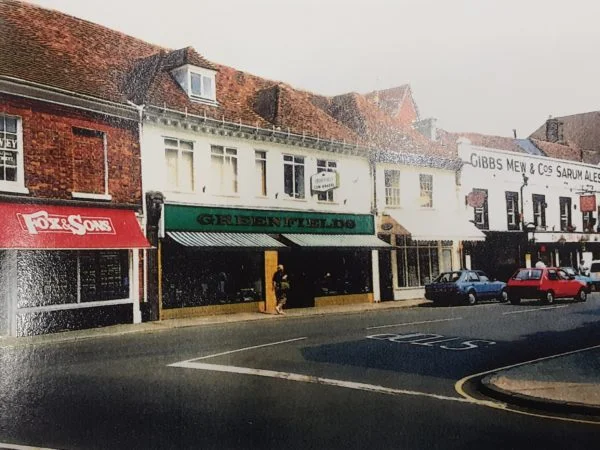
(487, 66)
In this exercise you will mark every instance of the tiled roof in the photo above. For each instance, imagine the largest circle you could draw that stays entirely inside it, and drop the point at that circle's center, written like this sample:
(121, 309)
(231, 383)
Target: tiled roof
(549, 149)
(578, 130)
(389, 100)
(63, 52)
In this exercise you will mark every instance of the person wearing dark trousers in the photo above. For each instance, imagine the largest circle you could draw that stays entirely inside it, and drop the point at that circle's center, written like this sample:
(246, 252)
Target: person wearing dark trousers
(281, 285)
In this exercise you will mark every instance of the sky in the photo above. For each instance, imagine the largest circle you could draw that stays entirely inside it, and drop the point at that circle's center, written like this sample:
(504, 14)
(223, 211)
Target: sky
(483, 66)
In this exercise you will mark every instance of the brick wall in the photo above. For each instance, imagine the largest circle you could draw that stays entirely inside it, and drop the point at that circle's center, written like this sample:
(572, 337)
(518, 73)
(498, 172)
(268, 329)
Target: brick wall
(57, 160)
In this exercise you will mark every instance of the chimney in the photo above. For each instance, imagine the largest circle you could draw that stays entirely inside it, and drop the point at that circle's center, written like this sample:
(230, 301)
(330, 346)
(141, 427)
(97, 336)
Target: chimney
(554, 130)
(427, 127)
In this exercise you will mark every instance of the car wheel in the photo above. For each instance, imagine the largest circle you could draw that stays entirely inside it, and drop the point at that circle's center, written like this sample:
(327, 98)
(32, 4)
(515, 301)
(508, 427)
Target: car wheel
(503, 298)
(548, 297)
(471, 298)
(515, 300)
(582, 295)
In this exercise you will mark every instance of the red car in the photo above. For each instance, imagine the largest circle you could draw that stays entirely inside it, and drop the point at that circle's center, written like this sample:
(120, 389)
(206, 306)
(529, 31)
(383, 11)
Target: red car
(546, 283)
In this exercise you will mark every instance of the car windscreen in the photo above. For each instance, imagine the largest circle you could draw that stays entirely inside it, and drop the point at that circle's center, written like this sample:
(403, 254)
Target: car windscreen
(528, 274)
(447, 277)
(569, 270)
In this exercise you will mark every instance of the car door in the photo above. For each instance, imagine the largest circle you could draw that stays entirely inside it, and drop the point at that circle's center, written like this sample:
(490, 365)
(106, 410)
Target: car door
(562, 286)
(552, 283)
(486, 286)
(570, 286)
(473, 281)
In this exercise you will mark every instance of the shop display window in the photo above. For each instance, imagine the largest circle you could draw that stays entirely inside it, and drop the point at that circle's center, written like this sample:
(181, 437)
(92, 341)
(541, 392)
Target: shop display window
(418, 262)
(58, 277)
(201, 277)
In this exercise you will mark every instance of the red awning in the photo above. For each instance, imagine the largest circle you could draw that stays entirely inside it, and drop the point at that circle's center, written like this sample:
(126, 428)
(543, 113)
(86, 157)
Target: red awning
(28, 226)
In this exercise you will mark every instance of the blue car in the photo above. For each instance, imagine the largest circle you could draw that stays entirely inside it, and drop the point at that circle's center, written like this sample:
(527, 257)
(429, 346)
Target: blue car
(465, 287)
(575, 274)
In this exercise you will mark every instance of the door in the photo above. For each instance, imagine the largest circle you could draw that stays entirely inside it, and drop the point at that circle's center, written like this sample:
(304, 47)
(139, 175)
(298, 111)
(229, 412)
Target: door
(386, 277)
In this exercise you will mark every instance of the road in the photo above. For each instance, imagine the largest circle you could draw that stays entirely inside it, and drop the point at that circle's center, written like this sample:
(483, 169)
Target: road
(385, 379)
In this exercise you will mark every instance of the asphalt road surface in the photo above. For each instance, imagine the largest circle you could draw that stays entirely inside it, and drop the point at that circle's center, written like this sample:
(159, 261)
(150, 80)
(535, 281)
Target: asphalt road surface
(379, 380)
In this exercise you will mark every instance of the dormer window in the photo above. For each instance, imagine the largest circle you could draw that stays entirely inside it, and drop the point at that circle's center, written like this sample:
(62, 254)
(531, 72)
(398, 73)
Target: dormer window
(197, 82)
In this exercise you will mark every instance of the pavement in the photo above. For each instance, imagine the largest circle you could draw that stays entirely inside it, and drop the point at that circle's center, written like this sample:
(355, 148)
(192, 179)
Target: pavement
(568, 383)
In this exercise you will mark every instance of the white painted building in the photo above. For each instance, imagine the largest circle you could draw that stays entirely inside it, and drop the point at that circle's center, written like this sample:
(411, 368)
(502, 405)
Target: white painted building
(421, 215)
(535, 207)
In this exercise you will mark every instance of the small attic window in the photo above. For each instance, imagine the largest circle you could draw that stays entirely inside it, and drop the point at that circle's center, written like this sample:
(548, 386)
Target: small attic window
(199, 83)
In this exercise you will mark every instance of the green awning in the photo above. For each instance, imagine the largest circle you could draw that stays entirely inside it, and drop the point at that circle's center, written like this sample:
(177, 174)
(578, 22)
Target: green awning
(362, 241)
(236, 240)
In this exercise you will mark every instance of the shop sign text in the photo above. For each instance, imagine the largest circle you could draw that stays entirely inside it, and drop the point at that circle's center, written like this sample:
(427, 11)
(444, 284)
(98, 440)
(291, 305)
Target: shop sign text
(538, 168)
(324, 181)
(274, 222)
(43, 222)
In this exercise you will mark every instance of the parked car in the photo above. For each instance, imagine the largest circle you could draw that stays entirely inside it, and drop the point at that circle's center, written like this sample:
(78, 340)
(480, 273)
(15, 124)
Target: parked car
(464, 286)
(595, 274)
(546, 284)
(586, 279)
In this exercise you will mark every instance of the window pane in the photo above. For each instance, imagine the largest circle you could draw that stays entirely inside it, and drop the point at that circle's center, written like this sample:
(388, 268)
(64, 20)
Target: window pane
(233, 181)
(261, 174)
(11, 125)
(196, 84)
(171, 157)
(187, 171)
(185, 145)
(288, 179)
(208, 87)
(299, 181)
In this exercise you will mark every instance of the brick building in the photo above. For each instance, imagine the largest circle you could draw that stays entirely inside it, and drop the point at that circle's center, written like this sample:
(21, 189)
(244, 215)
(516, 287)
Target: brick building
(70, 185)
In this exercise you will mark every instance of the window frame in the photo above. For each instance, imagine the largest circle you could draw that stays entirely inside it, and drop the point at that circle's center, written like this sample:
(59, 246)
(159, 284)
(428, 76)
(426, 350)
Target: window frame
(260, 170)
(295, 182)
(588, 221)
(177, 186)
(565, 216)
(326, 165)
(512, 215)
(392, 192)
(538, 202)
(229, 160)
(484, 223)
(18, 185)
(426, 190)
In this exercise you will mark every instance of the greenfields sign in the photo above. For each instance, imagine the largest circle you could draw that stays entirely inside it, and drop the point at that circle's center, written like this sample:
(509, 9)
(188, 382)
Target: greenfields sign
(191, 218)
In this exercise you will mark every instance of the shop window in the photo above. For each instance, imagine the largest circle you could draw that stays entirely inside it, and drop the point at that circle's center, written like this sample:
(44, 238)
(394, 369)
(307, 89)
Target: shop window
(179, 158)
(392, 187)
(90, 163)
(326, 166)
(200, 278)
(48, 278)
(224, 170)
(512, 210)
(293, 176)
(419, 262)
(588, 221)
(565, 214)
(260, 168)
(426, 190)
(539, 210)
(480, 215)
(11, 155)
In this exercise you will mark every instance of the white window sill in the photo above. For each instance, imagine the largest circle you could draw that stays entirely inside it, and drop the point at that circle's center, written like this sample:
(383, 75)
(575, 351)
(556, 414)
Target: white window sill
(85, 196)
(327, 202)
(232, 195)
(15, 189)
(292, 199)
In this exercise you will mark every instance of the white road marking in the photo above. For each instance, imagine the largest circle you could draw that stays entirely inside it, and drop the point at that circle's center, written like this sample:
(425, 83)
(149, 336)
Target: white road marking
(21, 447)
(413, 323)
(324, 381)
(535, 309)
(246, 348)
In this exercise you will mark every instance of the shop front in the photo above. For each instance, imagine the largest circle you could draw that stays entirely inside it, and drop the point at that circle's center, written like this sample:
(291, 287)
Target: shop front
(219, 260)
(67, 268)
(425, 243)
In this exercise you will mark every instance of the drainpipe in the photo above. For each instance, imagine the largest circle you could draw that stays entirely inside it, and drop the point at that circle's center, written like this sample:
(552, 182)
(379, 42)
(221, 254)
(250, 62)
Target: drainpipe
(522, 218)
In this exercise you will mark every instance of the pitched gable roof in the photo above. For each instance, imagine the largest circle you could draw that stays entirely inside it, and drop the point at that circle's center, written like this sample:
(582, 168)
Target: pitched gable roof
(394, 102)
(526, 146)
(579, 130)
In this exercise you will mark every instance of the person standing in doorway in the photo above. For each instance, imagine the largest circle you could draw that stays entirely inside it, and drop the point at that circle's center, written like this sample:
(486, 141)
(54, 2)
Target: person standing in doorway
(281, 285)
